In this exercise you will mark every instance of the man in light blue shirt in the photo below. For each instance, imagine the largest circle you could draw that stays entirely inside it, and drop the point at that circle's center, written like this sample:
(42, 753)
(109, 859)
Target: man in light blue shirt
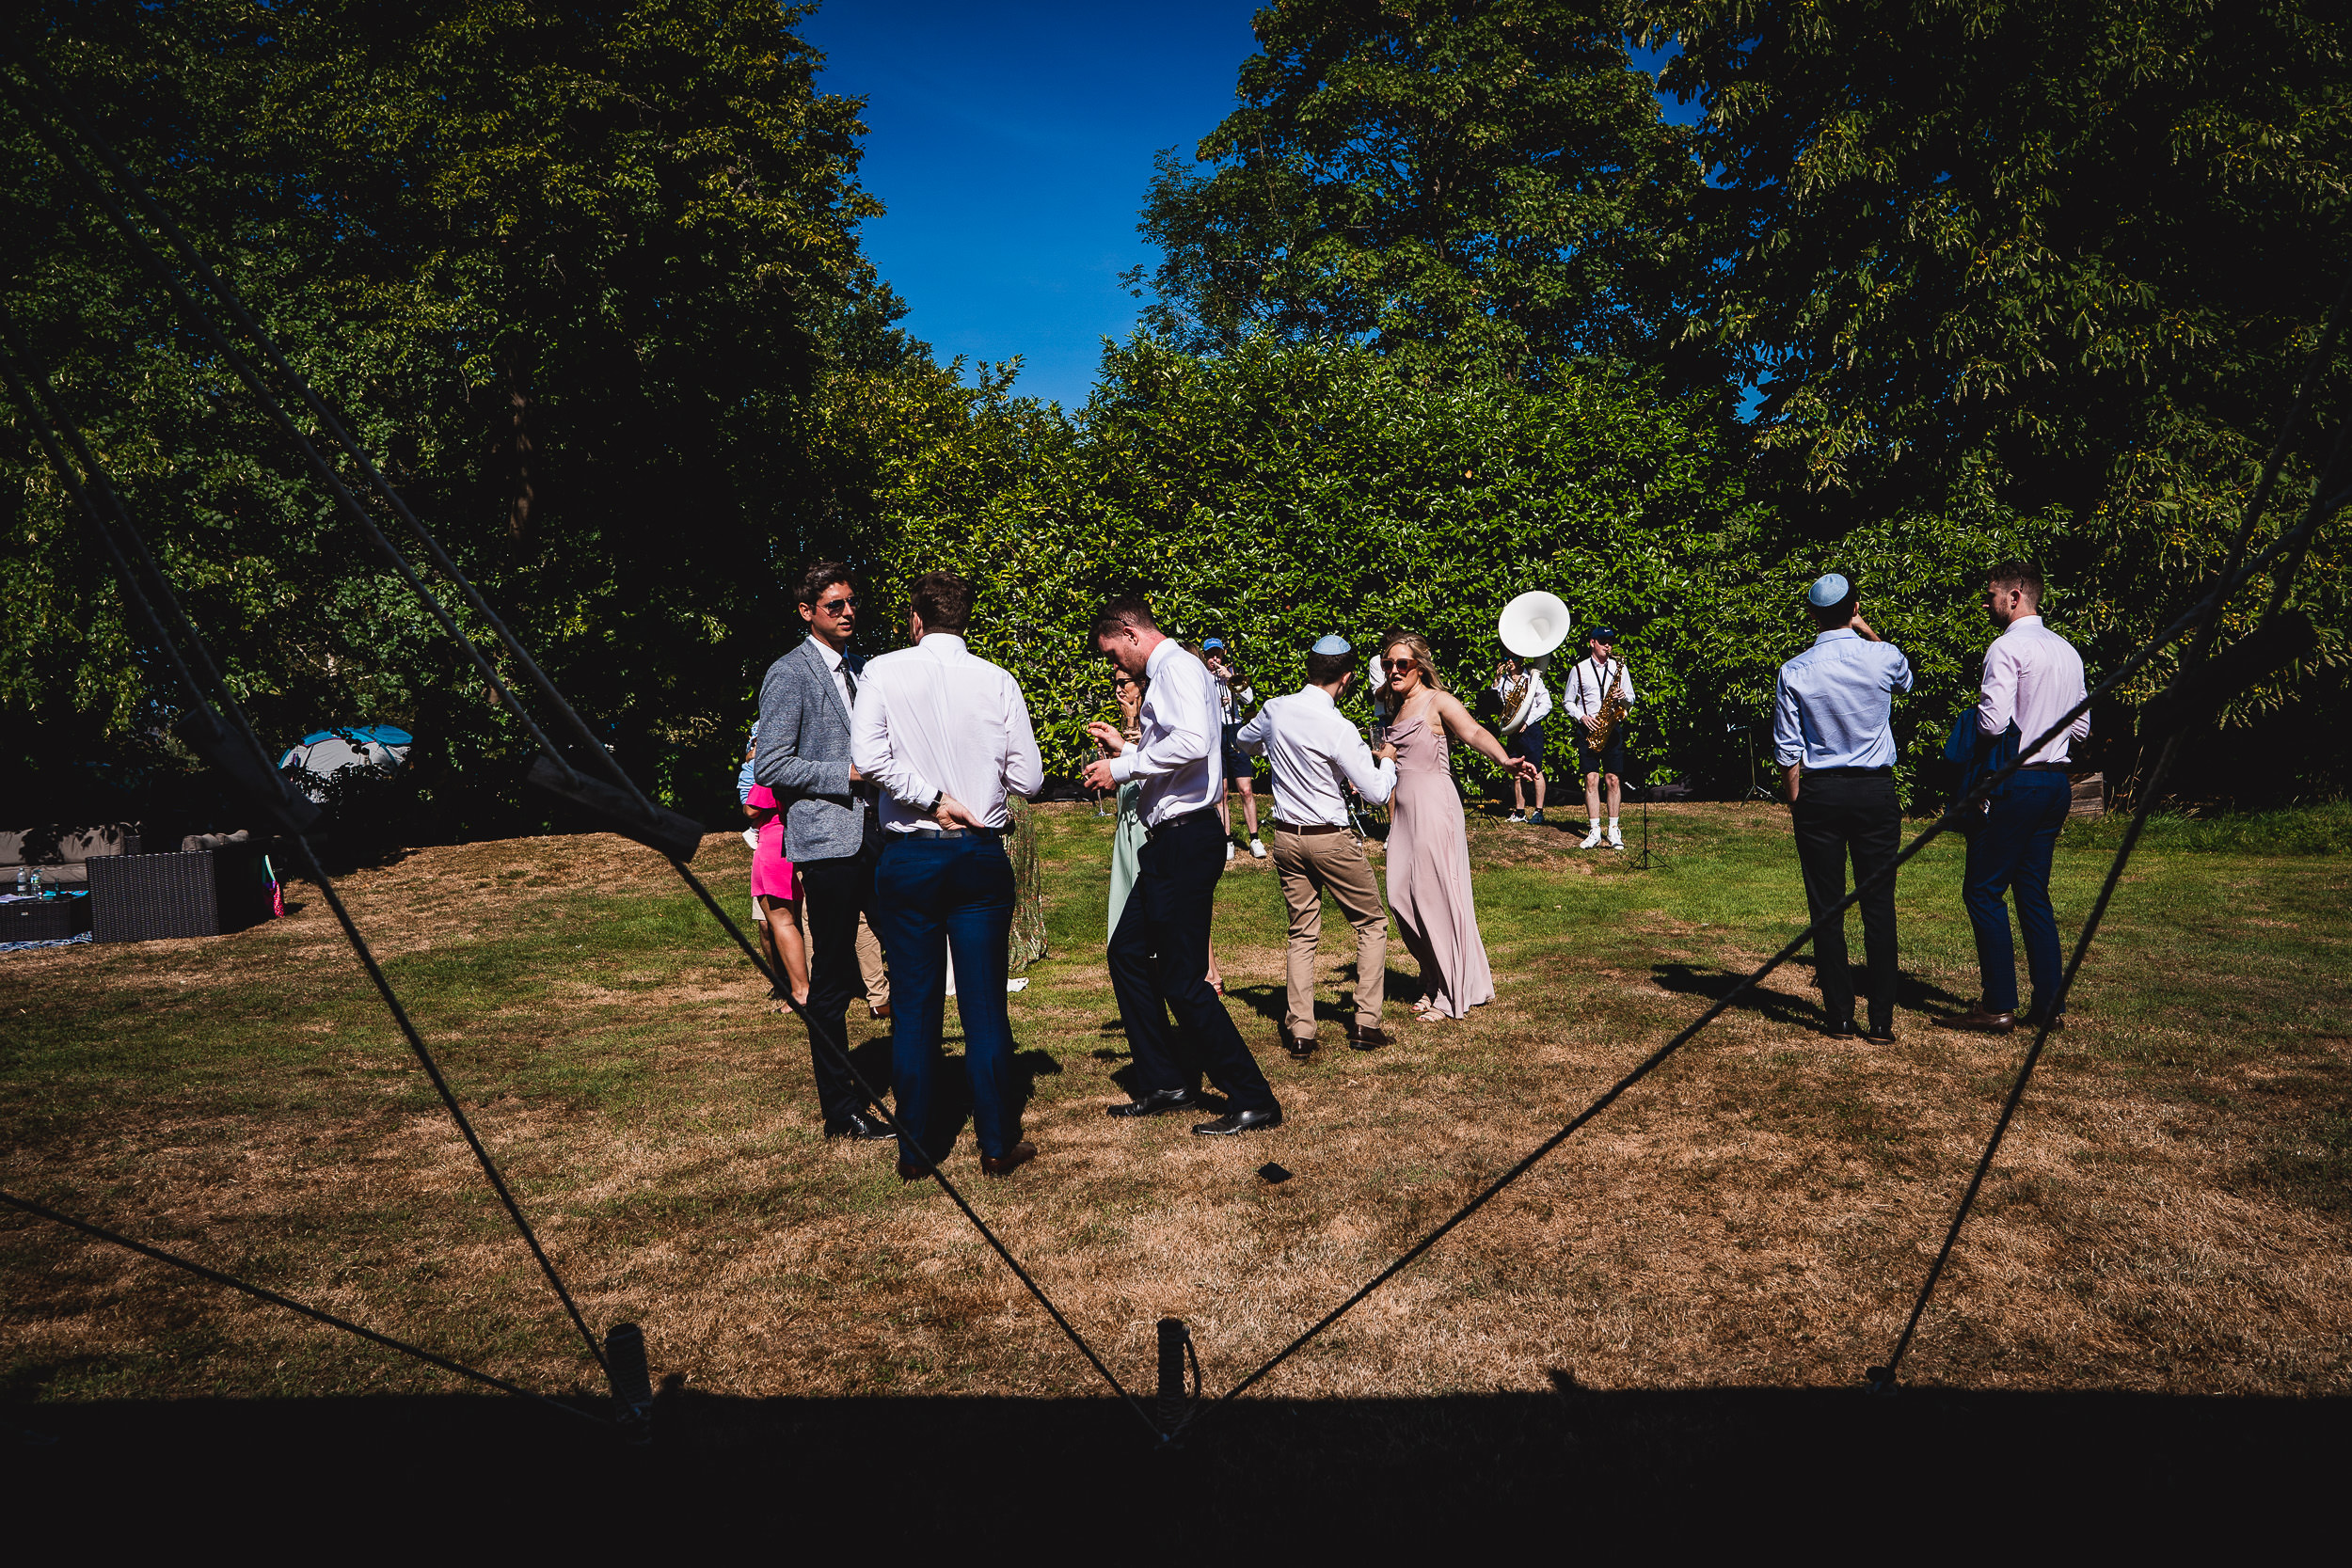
(1833, 732)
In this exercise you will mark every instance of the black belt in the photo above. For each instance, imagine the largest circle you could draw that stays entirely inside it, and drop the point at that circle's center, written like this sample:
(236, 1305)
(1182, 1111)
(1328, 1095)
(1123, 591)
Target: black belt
(982, 832)
(1846, 772)
(1206, 814)
(1311, 827)
(2043, 767)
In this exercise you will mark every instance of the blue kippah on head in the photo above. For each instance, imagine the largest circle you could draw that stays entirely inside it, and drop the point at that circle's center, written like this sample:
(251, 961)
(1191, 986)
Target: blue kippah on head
(1332, 644)
(1830, 591)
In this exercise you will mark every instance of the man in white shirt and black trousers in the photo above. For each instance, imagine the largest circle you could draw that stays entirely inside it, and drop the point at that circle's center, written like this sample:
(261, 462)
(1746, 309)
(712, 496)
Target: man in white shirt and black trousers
(1833, 731)
(2032, 676)
(1159, 954)
(945, 737)
(1314, 752)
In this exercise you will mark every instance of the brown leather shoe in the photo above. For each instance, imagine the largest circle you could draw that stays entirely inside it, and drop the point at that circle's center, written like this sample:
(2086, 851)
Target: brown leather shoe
(1366, 1039)
(1976, 1021)
(909, 1171)
(1014, 1158)
(1299, 1046)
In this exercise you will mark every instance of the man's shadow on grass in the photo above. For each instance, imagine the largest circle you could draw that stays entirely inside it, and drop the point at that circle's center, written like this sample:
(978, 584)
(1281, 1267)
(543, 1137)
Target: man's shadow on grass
(951, 1091)
(1272, 1001)
(1912, 993)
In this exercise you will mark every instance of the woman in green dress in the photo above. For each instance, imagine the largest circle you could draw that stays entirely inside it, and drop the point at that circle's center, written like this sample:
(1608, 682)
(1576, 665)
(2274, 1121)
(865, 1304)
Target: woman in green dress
(1127, 831)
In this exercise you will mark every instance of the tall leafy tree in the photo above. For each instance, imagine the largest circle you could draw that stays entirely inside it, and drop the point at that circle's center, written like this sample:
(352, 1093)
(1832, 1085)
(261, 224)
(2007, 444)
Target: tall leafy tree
(2066, 253)
(1447, 180)
(582, 275)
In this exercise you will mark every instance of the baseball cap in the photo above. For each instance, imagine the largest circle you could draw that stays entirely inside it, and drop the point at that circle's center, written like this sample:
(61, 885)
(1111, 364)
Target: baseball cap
(1213, 642)
(1829, 592)
(1603, 634)
(1333, 644)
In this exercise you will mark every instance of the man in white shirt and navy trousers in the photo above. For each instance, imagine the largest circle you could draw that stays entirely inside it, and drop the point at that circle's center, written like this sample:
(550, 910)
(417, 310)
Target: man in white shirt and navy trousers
(1833, 731)
(945, 737)
(1159, 954)
(1314, 752)
(2032, 676)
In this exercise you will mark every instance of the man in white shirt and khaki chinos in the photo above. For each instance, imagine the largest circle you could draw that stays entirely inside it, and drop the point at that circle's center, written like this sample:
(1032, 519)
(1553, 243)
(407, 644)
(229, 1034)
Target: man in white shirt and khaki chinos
(946, 738)
(1313, 751)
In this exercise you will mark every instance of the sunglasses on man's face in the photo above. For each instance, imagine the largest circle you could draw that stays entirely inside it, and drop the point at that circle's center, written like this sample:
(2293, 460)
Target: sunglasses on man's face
(835, 607)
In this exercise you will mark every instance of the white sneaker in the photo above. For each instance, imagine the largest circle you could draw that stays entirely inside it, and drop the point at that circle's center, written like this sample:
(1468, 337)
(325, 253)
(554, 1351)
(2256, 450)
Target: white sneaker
(1592, 840)
(1228, 848)
(1616, 839)
(1257, 849)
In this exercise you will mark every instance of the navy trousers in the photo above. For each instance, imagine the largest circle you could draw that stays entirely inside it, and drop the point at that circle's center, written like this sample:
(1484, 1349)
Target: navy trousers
(1168, 915)
(2011, 852)
(934, 896)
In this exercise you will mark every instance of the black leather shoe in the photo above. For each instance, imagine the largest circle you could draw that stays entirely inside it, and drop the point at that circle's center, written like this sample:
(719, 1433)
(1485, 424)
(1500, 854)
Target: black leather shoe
(1842, 1030)
(1880, 1034)
(1154, 1103)
(859, 1128)
(1239, 1121)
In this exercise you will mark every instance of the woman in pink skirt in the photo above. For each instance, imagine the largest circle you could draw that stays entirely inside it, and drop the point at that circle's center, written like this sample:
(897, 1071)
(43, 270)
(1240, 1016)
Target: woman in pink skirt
(778, 890)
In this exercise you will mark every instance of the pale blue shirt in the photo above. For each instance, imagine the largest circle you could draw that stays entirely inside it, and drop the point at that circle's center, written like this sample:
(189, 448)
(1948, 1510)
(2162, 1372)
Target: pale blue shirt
(1833, 706)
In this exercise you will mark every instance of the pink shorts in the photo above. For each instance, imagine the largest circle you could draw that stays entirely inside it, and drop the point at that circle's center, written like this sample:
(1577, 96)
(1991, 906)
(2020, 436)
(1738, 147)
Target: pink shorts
(771, 873)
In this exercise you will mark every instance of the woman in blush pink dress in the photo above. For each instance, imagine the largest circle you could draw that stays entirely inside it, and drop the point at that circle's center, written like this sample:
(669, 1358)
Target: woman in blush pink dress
(1428, 850)
(778, 890)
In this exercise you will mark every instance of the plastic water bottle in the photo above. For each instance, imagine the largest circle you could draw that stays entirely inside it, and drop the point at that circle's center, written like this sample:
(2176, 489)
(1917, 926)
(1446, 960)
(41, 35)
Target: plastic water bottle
(20, 881)
(36, 881)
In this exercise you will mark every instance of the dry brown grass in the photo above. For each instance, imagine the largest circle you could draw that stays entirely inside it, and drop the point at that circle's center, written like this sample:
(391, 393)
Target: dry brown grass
(1759, 1213)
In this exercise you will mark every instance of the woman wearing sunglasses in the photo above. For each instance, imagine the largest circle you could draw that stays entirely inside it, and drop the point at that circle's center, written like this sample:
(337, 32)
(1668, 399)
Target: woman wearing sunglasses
(1429, 851)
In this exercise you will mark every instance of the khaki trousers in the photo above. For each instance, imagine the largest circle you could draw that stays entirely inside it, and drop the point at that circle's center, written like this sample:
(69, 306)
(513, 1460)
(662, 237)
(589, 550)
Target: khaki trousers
(1310, 865)
(871, 968)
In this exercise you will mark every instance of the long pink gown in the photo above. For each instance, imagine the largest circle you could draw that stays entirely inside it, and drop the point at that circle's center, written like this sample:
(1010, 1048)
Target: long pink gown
(1429, 875)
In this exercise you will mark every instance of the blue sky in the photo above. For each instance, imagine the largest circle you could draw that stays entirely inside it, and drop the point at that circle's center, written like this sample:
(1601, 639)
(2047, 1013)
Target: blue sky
(1011, 144)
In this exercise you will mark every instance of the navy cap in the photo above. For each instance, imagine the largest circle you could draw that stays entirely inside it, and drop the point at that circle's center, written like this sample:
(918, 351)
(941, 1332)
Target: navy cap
(1603, 634)
(1333, 644)
(1828, 592)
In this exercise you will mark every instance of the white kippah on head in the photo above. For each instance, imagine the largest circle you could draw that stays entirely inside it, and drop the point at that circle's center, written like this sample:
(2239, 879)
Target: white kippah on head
(1332, 644)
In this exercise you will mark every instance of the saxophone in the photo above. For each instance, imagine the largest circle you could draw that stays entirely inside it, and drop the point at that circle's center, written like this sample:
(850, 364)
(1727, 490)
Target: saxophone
(1610, 713)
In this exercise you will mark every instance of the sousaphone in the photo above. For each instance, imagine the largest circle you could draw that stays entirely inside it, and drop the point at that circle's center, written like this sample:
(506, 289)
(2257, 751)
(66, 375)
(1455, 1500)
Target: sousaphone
(1530, 626)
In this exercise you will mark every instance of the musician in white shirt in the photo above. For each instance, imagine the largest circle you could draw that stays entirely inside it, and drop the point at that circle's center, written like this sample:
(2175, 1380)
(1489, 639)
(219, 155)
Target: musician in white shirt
(1159, 954)
(1582, 692)
(1524, 738)
(2033, 678)
(946, 738)
(1314, 752)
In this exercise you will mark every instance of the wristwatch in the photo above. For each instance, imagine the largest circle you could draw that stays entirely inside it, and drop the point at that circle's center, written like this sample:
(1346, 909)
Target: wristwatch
(932, 809)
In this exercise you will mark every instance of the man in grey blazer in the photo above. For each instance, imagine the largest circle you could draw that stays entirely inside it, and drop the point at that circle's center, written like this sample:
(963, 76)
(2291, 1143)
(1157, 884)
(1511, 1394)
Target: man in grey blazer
(831, 834)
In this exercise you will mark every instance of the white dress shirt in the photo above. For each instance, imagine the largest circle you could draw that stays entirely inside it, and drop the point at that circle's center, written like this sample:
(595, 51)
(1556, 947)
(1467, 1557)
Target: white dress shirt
(1587, 683)
(840, 677)
(1181, 761)
(1311, 749)
(2033, 675)
(1539, 708)
(935, 719)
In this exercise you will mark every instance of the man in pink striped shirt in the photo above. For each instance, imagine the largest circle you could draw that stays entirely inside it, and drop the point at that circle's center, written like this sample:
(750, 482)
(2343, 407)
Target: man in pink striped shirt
(2033, 678)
